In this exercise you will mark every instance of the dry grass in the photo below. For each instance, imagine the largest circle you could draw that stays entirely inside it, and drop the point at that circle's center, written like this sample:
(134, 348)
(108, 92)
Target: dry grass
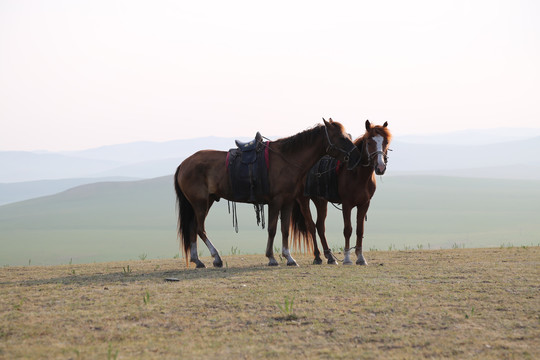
(479, 303)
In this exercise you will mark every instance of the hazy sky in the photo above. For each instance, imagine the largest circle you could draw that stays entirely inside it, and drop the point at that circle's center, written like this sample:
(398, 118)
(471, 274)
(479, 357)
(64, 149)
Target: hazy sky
(80, 74)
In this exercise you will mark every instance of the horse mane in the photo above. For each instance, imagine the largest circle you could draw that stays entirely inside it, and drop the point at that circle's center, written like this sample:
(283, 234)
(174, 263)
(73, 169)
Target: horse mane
(306, 137)
(373, 131)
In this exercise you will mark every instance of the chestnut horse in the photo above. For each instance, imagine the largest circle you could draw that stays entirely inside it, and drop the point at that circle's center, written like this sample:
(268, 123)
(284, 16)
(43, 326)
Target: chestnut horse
(202, 179)
(355, 188)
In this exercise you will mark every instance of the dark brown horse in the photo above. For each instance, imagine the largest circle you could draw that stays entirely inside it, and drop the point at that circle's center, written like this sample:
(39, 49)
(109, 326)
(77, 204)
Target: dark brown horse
(355, 188)
(202, 179)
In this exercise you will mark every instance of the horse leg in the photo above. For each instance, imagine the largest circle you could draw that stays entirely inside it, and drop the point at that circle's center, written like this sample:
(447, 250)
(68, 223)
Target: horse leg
(194, 256)
(322, 209)
(213, 251)
(201, 213)
(347, 232)
(360, 217)
(273, 212)
(285, 223)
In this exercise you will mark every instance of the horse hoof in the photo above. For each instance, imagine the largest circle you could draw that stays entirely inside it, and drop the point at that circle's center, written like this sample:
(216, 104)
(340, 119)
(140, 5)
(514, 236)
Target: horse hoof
(332, 262)
(317, 262)
(348, 262)
(292, 263)
(218, 264)
(360, 262)
(200, 265)
(273, 262)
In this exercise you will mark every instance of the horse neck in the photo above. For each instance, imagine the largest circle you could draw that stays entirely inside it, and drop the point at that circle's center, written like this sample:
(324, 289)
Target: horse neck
(364, 169)
(311, 155)
(364, 156)
(304, 157)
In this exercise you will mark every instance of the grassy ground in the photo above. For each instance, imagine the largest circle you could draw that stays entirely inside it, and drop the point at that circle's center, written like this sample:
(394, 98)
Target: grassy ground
(461, 303)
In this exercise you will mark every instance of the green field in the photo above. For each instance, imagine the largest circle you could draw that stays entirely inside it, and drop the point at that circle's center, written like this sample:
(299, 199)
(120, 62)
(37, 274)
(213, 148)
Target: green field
(133, 220)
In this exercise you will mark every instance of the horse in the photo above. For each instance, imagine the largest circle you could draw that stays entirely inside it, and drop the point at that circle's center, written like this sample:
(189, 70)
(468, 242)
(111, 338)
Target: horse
(202, 179)
(355, 188)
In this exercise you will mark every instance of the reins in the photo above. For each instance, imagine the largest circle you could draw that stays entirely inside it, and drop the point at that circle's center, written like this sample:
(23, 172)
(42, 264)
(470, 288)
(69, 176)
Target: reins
(334, 205)
(267, 145)
(370, 157)
(374, 154)
(331, 146)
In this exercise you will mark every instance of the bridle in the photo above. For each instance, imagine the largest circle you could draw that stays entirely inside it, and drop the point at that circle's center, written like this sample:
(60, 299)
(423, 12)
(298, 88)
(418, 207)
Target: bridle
(329, 148)
(374, 154)
(332, 147)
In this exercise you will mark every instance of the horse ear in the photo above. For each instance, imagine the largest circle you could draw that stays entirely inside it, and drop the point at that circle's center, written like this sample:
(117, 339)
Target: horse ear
(330, 120)
(368, 125)
(326, 123)
(385, 124)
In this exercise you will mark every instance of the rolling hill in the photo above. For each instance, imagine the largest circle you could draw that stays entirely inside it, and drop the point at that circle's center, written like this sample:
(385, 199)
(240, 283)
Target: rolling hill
(126, 220)
(19, 191)
(433, 196)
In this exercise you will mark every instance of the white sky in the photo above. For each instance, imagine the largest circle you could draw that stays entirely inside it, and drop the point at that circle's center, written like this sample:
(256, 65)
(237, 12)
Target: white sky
(80, 74)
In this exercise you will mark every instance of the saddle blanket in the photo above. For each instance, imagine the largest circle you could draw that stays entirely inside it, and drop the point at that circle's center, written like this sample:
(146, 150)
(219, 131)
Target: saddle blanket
(248, 173)
(322, 180)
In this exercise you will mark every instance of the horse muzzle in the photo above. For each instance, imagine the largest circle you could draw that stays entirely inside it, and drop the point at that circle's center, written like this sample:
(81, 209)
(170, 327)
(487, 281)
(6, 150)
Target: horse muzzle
(380, 169)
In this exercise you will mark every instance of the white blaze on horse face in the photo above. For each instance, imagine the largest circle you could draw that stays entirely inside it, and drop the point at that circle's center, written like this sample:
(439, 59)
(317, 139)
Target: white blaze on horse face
(379, 140)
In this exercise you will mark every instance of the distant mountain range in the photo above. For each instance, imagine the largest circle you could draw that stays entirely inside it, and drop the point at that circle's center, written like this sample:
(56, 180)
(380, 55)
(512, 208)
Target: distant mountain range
(472, 153)
(451, 159)
(473, 136)
(139, 159)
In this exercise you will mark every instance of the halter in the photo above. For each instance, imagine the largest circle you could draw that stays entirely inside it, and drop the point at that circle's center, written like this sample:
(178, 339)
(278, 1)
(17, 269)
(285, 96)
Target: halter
(331, 147)
(374, 154)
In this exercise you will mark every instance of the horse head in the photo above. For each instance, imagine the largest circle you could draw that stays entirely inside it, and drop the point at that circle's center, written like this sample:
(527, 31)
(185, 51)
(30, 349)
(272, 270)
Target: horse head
(340, 144)
(377, 139)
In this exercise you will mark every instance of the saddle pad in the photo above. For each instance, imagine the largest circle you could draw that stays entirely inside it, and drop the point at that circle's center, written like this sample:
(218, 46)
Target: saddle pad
(322, 180)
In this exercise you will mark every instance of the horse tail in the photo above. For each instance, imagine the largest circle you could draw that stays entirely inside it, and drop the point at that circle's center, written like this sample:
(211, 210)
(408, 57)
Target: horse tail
(301, 237)
(186, 218)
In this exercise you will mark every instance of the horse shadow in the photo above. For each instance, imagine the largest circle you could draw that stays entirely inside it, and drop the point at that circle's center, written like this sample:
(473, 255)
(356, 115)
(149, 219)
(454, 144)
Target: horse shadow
(127, 276)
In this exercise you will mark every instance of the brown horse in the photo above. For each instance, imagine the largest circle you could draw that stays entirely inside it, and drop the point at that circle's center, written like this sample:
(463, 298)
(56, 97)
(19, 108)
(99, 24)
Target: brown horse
(202, 179)
(355, 188)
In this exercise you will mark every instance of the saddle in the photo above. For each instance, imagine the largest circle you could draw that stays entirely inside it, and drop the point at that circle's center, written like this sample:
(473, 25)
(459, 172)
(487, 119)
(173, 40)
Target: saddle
(250, 145)
(249, 149)
(322, 180)
(247, 166)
